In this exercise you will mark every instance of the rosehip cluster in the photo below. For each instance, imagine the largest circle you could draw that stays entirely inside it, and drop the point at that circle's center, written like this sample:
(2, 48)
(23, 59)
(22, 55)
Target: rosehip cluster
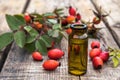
(98, 56)
(52, 63)
(73, 17)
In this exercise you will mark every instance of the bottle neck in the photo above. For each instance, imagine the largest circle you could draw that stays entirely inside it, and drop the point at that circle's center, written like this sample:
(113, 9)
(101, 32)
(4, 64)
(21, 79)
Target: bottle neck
(79, 29)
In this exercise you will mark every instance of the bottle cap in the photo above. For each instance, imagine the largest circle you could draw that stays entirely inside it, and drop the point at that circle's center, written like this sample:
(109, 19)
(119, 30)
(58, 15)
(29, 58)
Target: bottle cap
(81, 27)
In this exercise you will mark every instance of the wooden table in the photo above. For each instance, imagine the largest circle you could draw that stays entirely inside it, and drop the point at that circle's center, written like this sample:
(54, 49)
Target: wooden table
(19, 64)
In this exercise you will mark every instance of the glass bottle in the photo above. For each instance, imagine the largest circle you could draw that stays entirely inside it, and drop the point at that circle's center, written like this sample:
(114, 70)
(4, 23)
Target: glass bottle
(77, 49)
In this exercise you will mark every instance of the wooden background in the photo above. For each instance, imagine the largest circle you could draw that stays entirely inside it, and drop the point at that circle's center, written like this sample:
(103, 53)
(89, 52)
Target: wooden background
(19, 64)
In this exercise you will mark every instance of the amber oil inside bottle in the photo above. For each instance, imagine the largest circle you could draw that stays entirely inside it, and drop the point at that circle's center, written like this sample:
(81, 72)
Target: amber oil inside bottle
(77, 50)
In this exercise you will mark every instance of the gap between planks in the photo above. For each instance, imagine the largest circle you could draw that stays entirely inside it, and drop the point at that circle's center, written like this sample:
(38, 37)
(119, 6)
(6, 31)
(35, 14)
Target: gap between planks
(97, 7)
(4, 54)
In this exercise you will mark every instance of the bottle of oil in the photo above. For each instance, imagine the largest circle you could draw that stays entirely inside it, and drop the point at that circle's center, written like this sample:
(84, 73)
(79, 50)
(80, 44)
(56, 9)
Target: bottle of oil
(77, 49)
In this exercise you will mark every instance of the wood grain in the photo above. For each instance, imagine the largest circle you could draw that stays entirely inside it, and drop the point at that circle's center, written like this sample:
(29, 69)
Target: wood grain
(112, 21)
(20, 65)
(9, 7)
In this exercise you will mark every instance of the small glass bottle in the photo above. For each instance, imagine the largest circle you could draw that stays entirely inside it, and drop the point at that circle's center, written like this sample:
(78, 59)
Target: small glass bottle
(77, 49)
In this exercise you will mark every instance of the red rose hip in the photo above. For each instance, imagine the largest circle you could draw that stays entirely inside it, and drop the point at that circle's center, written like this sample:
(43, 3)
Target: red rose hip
(97, 62)
(104, 56)
(72, 11)
(95, 44)
(37, 56)
(95, 52)
(27, 17)
(50, 65)
(55, 54)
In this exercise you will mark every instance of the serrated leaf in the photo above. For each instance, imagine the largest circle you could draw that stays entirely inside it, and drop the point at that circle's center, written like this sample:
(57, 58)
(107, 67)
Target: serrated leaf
(115, 61)
(50, 32)
(30, 47)
(60, 9)
(47, 40)
(64, 34)
(60, 13)
(28, 28)
(21, 18)
(53, 21)
(55, 33)
(118, 55)
(30, 39)
(13, 22)
(58, 39)
(37, 15)
(41, 47)
(5, 39)
(112, 53)
(56, 26)
(20, 38)
(31, 31)
(49, 14)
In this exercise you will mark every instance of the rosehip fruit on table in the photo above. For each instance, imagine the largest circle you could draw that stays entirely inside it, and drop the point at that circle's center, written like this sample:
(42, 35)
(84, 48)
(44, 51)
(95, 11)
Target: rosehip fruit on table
(50, 65)
(104, 56)
(37, 56)
(95, 44)
(97, 62)
(55, 53)
(27, 17)
(72, 11)
(95, 52)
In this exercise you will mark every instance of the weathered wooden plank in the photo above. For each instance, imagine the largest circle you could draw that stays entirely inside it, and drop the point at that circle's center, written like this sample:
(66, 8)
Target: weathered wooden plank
(112, 21)
(8, 8)
(106, 72)
(30, 69)
(19, 64)
(11, 7)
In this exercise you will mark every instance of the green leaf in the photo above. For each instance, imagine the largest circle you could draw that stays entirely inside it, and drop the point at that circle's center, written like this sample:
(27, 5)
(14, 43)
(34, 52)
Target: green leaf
(60, 13)
(13, 22)
(50, 32)
(30, 39)
(58, 39)
(118, 55)
(5, 39)
(30, 47)
(20, 38)
(20, 18)
(115, 61)
(112, 53)
(49, 14)
(28, 28)
(60, 9)
(56, 26)
(41, 47)
(31, 31)
(47, 40)
(55, 33)
(53, 21)
(37, 15)
(64, 34)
